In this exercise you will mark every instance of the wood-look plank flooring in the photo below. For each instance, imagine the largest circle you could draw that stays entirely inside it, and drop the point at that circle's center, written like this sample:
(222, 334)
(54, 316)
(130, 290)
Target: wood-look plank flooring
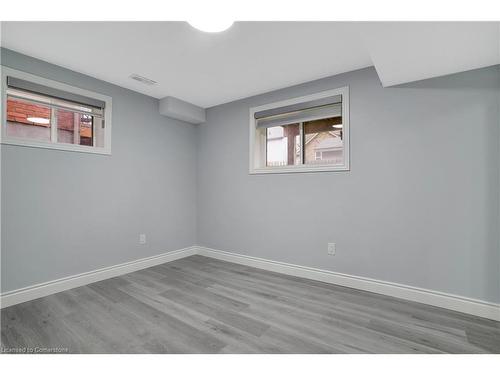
(203, 305)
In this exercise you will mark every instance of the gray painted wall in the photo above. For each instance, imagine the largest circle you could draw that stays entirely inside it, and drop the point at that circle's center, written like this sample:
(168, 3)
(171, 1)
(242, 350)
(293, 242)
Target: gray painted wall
(420, 205)
(64, 213)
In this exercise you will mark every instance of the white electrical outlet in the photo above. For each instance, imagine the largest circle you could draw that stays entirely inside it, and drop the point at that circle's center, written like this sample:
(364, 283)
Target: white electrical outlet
(331, 248)
(142, 238)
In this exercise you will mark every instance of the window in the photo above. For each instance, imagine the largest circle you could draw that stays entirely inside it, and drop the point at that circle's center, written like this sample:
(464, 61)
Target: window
(42, 113)
(304, 134)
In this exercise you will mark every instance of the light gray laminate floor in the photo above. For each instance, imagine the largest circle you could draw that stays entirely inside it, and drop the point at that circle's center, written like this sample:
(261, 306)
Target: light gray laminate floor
(203, 305)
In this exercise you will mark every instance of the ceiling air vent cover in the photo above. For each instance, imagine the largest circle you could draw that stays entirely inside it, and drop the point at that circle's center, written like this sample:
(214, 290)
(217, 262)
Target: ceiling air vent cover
(142, 79)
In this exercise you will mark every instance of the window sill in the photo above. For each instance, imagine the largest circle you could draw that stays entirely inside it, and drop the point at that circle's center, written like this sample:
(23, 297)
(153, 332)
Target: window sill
(300, 169)
(56, 146)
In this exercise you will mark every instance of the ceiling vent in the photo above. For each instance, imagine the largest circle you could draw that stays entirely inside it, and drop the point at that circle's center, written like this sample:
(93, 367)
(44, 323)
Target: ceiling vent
(142, 79)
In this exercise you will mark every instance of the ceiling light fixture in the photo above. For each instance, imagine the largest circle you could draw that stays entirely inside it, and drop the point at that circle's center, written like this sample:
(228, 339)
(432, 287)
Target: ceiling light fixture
(39, 120)
(338, 126)
(210, 25)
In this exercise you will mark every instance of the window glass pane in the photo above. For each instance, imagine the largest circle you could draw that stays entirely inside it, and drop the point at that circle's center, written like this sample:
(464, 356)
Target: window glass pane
(324, 142)
(283, 145)
(28, 120)
(75, 128)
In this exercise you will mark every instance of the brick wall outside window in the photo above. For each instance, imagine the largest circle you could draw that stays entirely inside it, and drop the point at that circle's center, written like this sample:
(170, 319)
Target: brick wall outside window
(19, 111)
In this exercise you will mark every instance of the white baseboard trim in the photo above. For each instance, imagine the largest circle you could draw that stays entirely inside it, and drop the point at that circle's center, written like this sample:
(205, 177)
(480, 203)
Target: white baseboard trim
(55, 286)
(430, 297)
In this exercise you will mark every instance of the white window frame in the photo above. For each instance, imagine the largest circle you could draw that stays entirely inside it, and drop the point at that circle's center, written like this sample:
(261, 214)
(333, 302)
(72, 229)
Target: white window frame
(257, 160)
(5, 139)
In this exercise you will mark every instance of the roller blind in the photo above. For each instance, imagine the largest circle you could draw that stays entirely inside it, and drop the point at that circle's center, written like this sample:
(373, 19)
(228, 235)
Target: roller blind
(63, 97)
(306, 111)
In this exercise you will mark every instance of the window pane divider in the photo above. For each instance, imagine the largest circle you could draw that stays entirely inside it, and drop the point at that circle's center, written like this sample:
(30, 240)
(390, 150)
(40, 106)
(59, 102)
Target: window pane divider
(94, 132)
(53, 125)
(302, 143)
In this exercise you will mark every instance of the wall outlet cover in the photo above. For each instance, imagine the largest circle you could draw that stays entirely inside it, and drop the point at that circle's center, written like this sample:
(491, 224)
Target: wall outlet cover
(331, 248)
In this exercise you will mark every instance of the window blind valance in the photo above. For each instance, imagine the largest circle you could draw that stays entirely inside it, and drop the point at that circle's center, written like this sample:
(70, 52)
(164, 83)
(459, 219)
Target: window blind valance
(35, 88)
(301, 112)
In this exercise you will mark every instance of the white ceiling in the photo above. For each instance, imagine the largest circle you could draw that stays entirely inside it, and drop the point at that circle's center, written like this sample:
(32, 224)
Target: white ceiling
(252, 57)
(405, 52)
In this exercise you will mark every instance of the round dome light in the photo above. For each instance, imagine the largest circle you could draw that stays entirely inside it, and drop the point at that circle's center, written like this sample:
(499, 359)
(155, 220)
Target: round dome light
(211, 25)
